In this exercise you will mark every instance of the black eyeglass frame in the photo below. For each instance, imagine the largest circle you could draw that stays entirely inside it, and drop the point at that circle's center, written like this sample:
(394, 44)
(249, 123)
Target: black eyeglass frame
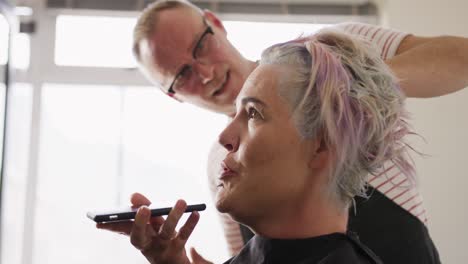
(207, 31)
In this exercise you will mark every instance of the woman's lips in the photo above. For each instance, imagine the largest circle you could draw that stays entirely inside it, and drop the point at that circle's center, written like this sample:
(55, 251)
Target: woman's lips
(226, 172)
(226, 175)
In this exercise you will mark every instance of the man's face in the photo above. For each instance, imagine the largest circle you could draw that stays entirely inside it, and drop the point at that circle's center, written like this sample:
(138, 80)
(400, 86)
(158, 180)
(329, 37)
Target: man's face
(210, 71)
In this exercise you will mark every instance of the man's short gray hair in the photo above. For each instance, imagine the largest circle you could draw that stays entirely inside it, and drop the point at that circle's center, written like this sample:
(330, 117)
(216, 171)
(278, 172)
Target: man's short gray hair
(146, 23)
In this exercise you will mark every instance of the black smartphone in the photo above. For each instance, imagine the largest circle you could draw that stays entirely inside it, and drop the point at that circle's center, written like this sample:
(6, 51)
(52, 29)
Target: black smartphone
(129, 213)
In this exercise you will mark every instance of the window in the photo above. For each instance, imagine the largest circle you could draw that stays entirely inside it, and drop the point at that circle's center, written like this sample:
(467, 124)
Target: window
(94, 41)
(78, 167)
(99, 143)
(4, 29)
(244, 35)
(103, 143)
(21, 51)
(20, 47)
(107, 41)
(16, 170)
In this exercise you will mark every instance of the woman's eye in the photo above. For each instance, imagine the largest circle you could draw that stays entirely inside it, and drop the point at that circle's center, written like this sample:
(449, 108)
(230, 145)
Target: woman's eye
(252, 113)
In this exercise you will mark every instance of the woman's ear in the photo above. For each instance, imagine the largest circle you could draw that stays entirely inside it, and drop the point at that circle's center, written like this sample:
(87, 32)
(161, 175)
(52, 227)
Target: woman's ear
(319, 154)
(214, 20)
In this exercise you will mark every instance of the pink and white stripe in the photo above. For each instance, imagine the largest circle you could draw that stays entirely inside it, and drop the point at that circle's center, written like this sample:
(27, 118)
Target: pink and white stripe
(386, 41)
(400, 189)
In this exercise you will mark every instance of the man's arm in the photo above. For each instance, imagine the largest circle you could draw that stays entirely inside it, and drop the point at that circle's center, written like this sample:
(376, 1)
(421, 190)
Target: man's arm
(426, 66)
(430, 67)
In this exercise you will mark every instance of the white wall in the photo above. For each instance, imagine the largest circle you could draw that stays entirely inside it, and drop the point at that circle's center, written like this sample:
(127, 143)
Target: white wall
(443, 122)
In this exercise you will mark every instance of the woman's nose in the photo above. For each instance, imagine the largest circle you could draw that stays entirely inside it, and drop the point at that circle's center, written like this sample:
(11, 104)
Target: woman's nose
(229, 138)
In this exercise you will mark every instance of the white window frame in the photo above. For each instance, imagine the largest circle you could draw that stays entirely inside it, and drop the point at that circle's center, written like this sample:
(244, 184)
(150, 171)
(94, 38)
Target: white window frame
(42, 69)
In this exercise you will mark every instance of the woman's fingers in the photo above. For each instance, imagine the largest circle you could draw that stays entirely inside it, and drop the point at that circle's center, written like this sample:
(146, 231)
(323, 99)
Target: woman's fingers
(186, 230)
(138, 199)
(120, 227)
(197, 258)
(125, 228)
(157, 238)
(167, 230)
(142, 233)
(157, 222)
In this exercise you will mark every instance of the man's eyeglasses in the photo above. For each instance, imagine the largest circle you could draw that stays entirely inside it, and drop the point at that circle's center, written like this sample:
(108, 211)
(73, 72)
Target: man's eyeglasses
(201, 50)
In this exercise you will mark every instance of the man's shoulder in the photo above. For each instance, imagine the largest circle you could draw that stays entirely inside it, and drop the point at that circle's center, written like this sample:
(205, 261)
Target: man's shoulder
(385, 40)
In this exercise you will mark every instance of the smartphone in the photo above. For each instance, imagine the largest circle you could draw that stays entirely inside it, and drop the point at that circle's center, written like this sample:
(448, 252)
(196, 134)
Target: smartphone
(129, 213)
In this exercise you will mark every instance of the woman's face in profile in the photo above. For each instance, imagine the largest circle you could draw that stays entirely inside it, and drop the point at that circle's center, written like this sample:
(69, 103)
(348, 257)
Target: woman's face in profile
(265, 170)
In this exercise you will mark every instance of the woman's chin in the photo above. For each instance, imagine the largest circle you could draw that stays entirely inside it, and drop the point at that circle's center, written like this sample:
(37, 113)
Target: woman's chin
(223, 201)
(232, 201)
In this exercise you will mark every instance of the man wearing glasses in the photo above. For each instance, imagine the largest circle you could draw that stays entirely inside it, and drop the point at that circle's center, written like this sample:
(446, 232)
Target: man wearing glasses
(185, 52)
(189, 56)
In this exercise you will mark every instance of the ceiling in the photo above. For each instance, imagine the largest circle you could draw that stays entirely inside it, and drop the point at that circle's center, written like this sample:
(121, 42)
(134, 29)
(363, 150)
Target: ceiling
(302, 7)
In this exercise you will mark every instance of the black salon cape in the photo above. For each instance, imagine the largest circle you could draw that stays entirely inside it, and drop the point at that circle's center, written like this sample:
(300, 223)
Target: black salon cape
(392, 233)
(328, 249)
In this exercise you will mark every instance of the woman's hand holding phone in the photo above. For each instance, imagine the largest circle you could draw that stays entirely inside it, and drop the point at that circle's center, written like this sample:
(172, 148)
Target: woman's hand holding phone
(157, 238)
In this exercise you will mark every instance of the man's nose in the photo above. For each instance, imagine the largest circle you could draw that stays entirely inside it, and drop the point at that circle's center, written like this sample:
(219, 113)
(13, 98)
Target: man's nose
(204, 71)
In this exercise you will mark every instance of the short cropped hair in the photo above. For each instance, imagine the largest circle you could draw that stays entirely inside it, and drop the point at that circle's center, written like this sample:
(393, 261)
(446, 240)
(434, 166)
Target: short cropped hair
(340, 91)
(146, 23)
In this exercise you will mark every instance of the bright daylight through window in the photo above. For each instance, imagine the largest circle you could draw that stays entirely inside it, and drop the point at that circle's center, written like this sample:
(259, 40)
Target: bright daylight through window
(100, 143)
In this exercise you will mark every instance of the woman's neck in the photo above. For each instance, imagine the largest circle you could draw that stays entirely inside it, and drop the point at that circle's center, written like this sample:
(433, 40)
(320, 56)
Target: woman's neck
(311, 218)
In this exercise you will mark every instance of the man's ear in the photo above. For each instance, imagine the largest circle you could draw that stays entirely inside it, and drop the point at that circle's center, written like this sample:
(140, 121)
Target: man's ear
(214, 20)
(319, 154)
